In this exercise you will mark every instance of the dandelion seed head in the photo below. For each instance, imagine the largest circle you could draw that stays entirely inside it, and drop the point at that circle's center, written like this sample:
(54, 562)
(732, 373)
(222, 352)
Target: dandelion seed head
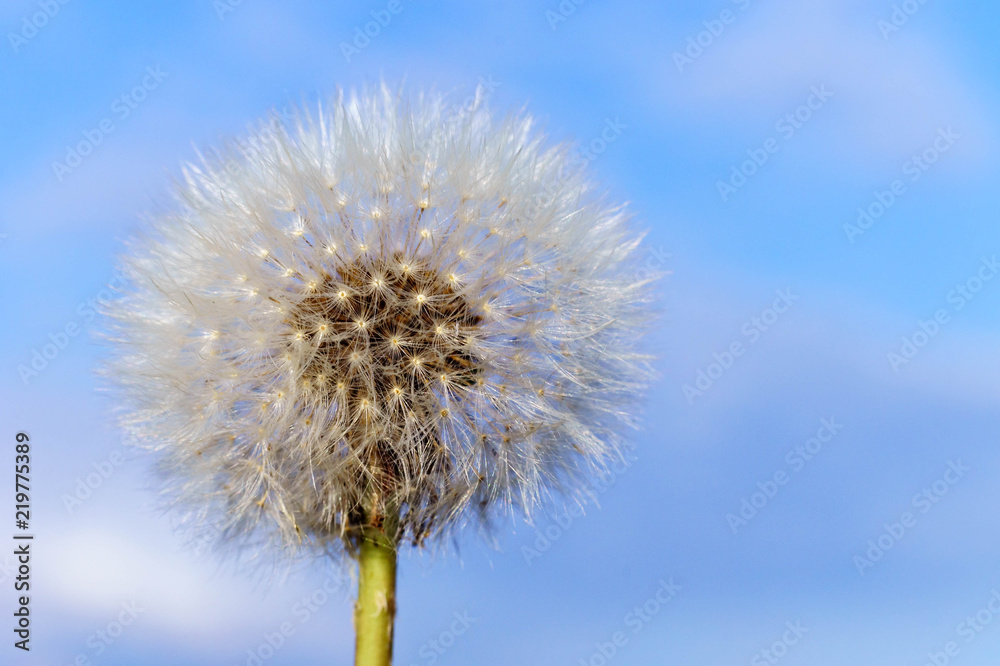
(393, 305)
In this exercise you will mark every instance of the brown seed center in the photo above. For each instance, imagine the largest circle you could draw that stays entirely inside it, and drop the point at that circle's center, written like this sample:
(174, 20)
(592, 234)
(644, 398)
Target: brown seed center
(386, 334)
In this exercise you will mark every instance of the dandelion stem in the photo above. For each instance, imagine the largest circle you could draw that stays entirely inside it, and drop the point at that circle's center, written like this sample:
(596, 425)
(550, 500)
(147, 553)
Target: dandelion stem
(376, 607)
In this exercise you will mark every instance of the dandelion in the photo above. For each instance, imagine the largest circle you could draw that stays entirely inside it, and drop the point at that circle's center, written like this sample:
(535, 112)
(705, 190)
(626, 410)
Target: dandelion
(371, 325)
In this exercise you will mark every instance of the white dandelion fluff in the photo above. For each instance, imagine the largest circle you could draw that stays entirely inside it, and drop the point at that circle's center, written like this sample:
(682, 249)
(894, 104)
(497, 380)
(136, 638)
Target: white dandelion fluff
(387, 313)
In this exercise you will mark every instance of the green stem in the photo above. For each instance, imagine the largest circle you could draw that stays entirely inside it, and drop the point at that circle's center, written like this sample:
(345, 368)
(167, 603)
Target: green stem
(376, 607)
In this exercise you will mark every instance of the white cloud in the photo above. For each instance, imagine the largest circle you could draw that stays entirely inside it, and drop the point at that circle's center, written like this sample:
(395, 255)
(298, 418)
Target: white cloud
(92, 571)
(89, 573)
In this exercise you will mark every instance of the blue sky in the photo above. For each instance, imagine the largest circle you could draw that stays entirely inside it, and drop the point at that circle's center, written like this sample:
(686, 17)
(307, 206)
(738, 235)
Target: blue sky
(913, 108)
